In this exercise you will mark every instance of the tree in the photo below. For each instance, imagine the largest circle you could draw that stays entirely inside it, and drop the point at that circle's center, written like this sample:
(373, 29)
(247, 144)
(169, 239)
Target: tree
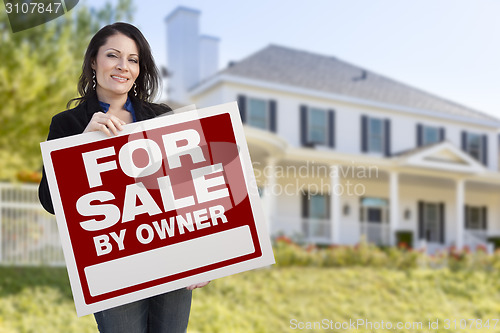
(39, 71)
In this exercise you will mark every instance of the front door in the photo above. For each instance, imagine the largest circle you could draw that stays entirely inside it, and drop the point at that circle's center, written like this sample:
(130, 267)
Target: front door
(374, 220)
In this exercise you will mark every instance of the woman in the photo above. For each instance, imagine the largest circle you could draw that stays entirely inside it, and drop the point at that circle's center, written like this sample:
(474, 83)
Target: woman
(118, 82)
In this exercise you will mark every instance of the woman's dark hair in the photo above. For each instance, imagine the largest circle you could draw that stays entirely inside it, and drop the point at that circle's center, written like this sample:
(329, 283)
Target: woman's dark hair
(147, 82)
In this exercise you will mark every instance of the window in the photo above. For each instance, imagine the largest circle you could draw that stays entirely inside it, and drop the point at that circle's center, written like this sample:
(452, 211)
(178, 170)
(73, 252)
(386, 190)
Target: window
(374, 210)
(318, 206)
(375, 135)
(475, 217)
(475, 220)
(474, 145)
(257, 113)
(318, 126)
(431, 221)
(430, 135)
(374, 214)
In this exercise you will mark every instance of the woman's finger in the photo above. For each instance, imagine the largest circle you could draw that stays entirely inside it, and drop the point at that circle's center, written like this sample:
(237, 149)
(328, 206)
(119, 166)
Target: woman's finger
(105, 123)
(198, 285)
(111, 125)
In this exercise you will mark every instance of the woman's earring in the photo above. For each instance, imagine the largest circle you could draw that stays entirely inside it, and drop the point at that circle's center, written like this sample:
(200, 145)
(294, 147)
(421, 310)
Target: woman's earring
(135, 91)
(94, 83)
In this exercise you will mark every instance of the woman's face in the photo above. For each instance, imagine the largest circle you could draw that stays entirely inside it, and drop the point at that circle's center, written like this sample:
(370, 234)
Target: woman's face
(116, 67)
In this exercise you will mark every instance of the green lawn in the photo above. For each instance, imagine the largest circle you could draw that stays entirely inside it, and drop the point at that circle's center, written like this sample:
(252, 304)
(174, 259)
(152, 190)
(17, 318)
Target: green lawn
(280, 299)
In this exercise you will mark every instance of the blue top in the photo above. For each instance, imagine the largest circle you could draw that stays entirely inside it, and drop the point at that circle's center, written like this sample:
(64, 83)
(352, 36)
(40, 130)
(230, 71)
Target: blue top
(128, 106)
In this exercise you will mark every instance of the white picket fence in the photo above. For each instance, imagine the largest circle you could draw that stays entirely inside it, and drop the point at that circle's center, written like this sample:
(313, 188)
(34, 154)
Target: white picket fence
(28, 234)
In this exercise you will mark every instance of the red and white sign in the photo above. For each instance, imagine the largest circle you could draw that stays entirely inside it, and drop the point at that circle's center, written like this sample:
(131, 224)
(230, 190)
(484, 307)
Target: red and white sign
(167, 203)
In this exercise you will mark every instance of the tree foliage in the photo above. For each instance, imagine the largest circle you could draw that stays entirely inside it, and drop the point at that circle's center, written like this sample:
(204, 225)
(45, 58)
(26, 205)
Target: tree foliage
(39, 70)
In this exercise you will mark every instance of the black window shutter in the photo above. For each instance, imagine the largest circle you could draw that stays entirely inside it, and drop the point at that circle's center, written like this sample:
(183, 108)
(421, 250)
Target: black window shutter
(420, 130)
(305, 205)
(464, 140)
(387, 137)
(484, 154)
(466, 216)
(364, 134)
(242, 105)
(442, 134)
(328, 207)
(484, 213)
(421, 220)
(331, 128)
(272, 116)
(303, 125)
(441, 222)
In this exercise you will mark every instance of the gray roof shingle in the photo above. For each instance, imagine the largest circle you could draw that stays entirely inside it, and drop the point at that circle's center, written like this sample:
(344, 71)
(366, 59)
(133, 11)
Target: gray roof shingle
(304, 69)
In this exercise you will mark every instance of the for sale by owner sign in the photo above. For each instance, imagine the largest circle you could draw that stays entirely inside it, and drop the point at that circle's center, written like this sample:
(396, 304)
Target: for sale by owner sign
(169, 202)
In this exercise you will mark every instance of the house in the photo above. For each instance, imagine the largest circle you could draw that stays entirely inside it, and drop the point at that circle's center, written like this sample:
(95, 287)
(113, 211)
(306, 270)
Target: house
(340, 152)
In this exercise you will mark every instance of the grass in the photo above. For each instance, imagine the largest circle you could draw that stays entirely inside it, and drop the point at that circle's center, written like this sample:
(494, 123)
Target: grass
(277, 299)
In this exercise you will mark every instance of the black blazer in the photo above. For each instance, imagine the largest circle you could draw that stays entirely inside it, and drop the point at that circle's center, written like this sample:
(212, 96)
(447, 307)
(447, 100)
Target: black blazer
(74, 121)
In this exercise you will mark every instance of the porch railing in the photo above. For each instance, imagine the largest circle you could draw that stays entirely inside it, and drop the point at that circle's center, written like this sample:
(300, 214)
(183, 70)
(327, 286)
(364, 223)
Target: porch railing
(309, 230)
(477, 238)
(28, 234)
(377, 233)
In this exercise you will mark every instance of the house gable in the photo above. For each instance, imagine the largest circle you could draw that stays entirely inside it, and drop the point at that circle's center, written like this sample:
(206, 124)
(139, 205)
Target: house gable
(441, 156)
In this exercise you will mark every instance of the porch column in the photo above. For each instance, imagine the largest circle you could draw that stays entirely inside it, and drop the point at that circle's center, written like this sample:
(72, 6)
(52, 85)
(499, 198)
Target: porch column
(459, 207)
(269, 197)
(335, 193)
(393, 206)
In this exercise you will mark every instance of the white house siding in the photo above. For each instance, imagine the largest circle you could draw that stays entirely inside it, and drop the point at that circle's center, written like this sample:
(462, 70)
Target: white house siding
(412, 188)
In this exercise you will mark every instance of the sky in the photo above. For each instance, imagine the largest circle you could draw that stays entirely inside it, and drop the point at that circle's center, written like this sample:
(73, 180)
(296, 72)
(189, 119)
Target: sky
(450, 48)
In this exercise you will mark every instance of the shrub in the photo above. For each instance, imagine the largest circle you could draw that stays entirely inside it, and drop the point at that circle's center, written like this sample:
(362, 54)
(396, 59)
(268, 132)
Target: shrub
(288, 253)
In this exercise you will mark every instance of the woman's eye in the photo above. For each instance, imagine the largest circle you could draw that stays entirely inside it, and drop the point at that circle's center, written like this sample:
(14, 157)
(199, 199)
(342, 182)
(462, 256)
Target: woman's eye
(134, 61)
(111, 55)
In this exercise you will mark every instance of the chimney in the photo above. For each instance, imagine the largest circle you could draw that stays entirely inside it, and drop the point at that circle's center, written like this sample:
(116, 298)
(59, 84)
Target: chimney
(191, 57)
(209, 60)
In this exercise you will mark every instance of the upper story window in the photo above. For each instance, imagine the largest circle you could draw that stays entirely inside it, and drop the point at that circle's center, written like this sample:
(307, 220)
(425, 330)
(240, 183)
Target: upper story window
(473, 145)
(258, 112)
(375, 135)
(317, 126)
(427, 135)
(476, 145)
(431, 135)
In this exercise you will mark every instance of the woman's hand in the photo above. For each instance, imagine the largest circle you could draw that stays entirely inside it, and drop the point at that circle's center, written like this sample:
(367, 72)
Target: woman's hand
(106, 123)
(198, 285)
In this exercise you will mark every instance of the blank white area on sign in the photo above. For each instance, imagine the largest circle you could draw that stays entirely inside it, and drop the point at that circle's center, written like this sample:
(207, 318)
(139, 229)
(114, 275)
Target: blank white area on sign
(165, 261)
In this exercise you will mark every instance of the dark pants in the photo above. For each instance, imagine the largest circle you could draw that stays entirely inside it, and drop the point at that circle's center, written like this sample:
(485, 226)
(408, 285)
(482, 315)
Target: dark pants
(167, 312)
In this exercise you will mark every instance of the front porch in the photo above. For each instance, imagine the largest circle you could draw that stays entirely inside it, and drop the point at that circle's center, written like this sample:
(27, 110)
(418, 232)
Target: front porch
(318, 231)
(440, 196)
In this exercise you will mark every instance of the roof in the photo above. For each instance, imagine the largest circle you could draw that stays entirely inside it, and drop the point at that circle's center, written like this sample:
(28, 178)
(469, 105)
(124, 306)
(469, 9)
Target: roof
(304, 69)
